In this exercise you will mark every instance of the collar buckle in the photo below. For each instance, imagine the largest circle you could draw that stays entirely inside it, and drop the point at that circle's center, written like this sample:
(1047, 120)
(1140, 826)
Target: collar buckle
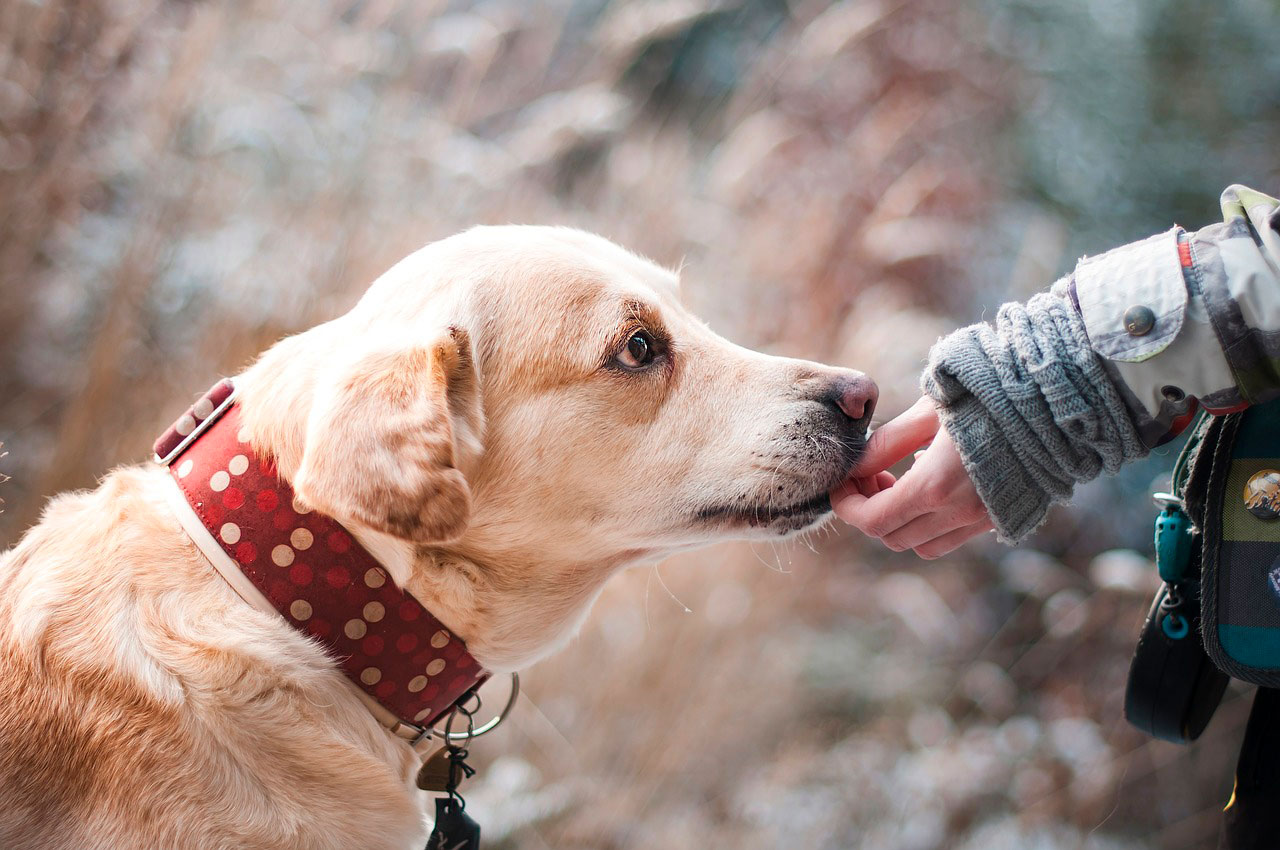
(190, 425)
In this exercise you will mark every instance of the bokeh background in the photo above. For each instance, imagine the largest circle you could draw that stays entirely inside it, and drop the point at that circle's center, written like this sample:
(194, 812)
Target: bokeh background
(182, 183)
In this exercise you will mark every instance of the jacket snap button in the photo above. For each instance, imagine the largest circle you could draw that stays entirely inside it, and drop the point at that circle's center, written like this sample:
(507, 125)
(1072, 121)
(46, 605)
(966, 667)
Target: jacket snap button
(1262, 494)
(1139, 321)
(1172, 393)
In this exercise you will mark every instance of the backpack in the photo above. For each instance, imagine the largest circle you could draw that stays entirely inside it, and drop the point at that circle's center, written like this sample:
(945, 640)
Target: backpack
(1217, 614)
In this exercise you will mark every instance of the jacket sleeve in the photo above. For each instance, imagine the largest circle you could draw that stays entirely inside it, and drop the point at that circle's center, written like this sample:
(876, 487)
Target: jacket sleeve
(1113, 360)
(1186, 319)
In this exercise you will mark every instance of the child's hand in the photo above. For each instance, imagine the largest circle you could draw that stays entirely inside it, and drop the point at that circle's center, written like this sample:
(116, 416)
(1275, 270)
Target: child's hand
(932, 508)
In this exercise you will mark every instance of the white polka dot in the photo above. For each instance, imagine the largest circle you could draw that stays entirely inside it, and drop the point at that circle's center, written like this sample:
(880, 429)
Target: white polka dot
(238, 464)
(184, 468)
(219, 481)
(300, 507)
(374, 578)
(422, 715)
(301, 539)
(435, 667)
(202, 408)
(185, 424)
(439, 639)
(370, 675)
(355, 629)
(417, 683)
(282, 555)
(373, 612)
(230, 532)
(300, 609)
(243, 435)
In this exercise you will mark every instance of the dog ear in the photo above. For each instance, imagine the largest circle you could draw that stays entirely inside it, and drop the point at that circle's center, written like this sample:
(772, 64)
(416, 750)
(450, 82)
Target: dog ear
(382, 441)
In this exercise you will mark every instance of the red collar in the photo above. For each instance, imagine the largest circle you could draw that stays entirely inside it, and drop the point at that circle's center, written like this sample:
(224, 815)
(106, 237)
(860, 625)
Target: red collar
(312, 571)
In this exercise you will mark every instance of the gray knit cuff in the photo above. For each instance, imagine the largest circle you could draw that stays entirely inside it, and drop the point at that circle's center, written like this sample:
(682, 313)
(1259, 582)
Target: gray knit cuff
(1030, 408)
(1016, 502)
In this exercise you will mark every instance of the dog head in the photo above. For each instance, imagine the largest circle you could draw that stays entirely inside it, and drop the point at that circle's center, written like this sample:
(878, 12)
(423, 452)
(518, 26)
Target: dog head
(536, 403)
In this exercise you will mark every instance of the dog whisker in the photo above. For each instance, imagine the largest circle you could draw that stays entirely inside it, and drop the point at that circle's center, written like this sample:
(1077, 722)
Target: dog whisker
(773, 568)
(658, 573)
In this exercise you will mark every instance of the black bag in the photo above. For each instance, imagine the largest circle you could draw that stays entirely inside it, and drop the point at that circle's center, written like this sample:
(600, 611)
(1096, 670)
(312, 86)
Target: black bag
(1173, 687)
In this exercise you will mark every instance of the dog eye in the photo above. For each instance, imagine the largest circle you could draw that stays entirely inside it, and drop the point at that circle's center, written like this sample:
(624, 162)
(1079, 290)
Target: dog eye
(638, 352)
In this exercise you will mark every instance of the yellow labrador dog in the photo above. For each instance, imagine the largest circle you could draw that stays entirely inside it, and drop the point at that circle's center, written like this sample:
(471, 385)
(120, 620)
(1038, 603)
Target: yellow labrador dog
(505, 420)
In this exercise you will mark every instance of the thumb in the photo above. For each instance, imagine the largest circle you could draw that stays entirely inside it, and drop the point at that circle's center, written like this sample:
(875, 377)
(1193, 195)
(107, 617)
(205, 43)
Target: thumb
(899, 437)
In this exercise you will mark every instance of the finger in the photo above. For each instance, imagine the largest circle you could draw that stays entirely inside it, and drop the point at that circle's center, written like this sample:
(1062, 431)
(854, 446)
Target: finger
(848, 501)
(877, 483)
(952, 540)
(922, 529)
(883, 513)
(868, 486)
(899, 437)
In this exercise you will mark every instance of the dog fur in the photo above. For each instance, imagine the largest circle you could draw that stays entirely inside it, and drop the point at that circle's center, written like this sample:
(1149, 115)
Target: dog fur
(471, 423)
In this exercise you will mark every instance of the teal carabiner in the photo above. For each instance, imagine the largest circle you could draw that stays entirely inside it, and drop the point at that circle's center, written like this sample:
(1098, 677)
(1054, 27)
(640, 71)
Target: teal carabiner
(1173, 543)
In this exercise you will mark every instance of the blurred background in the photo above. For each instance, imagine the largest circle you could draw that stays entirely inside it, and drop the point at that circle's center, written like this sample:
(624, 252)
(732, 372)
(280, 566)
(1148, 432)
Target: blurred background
(182, 183)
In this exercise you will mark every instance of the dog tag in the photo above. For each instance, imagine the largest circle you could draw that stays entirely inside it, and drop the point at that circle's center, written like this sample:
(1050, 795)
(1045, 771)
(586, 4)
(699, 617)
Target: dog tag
(435, 771)
(455, 830)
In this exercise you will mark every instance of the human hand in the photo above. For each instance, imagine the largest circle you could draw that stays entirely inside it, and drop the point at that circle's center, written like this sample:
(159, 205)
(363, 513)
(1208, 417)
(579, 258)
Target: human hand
(933, 508)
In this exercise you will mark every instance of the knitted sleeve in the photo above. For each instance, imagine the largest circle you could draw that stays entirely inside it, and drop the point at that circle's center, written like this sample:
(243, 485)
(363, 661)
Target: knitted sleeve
(1030, 408)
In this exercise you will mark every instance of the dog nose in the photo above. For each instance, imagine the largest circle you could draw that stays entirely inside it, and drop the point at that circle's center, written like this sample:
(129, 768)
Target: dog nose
(855, 395)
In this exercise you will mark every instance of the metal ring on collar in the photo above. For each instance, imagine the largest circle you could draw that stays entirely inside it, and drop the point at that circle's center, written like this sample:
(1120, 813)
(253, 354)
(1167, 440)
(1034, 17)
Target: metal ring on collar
(487, 727)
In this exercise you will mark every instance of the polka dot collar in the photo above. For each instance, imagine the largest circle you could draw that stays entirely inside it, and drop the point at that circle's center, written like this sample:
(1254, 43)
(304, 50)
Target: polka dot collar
(311, 570)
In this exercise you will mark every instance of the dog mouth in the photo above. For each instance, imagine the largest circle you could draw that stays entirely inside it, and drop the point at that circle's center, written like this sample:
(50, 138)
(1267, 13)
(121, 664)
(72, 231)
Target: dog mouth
(795, 506)
(791, 517)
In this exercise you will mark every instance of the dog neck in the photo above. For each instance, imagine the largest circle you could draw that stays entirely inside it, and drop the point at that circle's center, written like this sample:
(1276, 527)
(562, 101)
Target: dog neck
(506, 625)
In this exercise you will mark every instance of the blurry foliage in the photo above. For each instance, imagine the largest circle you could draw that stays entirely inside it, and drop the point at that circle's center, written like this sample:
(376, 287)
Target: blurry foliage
(183, 183)
(1136, 115)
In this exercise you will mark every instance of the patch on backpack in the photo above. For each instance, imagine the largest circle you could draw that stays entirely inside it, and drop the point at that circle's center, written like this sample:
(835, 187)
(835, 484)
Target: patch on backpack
(1273, 577)
(1262, 494)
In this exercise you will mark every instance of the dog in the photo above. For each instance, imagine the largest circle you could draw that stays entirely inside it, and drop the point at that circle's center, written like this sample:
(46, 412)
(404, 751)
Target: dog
(507, 418)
